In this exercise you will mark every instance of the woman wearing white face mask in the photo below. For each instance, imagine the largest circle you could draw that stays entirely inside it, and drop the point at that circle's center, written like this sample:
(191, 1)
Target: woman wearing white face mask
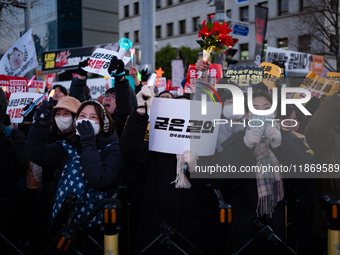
(89, 164)
(64, 116)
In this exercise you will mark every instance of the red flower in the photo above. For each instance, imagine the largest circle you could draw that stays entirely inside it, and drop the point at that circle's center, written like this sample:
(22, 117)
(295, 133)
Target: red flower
(204, 31)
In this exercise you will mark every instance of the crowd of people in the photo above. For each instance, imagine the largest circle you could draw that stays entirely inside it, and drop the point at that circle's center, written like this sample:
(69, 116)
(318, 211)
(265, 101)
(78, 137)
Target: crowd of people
(72, 144)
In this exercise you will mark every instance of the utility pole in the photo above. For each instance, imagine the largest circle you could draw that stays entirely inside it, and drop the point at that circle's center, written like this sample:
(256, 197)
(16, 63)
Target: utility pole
(147, 34)
(220, 15)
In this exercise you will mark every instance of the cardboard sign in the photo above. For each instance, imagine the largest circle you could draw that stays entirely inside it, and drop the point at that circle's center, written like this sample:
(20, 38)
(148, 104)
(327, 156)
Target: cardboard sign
(178, 125)
(100, 61)
(271, 74)
(318, 86)
(215, 71)
(17, 102)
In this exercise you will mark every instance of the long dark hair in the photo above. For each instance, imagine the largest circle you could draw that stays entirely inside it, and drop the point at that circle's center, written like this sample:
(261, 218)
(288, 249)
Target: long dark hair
(101, 113)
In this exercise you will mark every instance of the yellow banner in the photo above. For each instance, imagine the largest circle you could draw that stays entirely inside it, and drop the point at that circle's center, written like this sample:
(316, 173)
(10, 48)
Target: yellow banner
(271, 73)
(333, 76)
(319, 87)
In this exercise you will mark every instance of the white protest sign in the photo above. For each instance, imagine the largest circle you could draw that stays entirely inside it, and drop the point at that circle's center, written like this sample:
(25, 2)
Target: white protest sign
(178, 125)
(100, 59)
(177, 72)
(161, 84)
(17, 102)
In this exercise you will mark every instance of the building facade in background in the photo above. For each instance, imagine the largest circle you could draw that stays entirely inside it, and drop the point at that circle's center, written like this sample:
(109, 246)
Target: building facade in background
(177, 21)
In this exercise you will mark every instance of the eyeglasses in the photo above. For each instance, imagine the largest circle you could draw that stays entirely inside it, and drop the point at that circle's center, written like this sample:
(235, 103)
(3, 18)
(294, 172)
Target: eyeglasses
(111, 96)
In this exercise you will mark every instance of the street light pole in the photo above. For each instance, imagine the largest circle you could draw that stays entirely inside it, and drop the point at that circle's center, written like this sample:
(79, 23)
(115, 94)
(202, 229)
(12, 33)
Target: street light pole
(220, 15)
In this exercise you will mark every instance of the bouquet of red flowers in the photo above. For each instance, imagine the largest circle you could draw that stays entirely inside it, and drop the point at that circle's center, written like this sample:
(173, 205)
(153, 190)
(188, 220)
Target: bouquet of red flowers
(215, 38)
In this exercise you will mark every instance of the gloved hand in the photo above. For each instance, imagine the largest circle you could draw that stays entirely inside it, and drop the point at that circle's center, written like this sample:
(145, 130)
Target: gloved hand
(116, 68)
(84, 63)
(144, 74)
(44, 112)
(252, 137)
(86, 132)
(145, 96)
(274, 136)
(29, 117)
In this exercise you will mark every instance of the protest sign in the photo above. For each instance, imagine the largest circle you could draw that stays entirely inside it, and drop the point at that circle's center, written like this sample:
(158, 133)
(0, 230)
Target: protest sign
(20, 58)
(37, 86)
(245, 76)
(180, 126)
(215, 71)
(319, 87)
(13, 84)
(177, 72)
(49, 80)
(17, 102)
(333, 76)
(271, 74)
(295, 61)
(161, 84)
(99, 61)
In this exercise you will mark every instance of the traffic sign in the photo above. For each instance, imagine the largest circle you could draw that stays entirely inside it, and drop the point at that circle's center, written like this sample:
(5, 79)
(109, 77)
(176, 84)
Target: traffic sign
(240, 30)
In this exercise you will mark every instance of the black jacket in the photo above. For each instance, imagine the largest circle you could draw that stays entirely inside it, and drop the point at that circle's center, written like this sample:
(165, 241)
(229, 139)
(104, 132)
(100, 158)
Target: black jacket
(102, 170)
(181, 208)
(242, 193)
(78, 89)
(14, 164)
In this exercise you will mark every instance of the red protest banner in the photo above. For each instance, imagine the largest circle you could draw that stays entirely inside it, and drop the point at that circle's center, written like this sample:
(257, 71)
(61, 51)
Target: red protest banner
(215, 71)
(13, 84)
(49, 80)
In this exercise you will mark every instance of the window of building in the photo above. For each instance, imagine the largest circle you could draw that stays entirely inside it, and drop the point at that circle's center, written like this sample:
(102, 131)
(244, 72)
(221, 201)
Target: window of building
(136, 36)
(170, 29)
(263, 4)
(282, 43)
(195, 23)
(169, 2)
(265, 44)
(228, 13)
(283, 7)
(158, 32)
(158, 4)
(244, 51)
(304, 43)
(182, 27)
(333, 5)
(334, 43)
(136, 8)
(126, 35)
(210, 17)
(244, 13)
(304, 5)
(126, 11)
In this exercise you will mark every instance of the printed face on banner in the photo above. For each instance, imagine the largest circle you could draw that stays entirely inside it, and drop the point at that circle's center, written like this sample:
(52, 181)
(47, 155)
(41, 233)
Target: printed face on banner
(20, 58)
(180, 126)
(100, 61)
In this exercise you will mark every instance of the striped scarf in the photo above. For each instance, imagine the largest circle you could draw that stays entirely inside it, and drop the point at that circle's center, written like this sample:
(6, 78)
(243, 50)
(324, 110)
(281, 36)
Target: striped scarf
(269, 184)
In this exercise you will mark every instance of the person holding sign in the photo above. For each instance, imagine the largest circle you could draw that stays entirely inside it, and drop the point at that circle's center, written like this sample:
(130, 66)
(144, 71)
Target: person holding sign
(90, 161)
(79, 89)
(258, 194)
(163, 200)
